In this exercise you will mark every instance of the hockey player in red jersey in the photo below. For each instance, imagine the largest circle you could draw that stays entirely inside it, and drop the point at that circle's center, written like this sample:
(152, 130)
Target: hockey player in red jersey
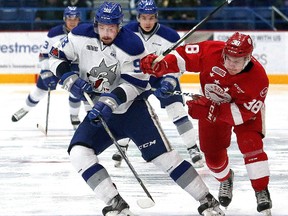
(234, 86)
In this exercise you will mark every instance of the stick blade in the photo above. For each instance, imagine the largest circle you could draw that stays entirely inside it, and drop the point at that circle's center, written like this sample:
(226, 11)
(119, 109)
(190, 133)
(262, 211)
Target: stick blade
(145, 203)
(42, 129)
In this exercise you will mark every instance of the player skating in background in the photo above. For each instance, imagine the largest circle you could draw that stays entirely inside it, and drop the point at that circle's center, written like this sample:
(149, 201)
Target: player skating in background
(157, 38)
(107, 53)
(46, 78)
(234, 86)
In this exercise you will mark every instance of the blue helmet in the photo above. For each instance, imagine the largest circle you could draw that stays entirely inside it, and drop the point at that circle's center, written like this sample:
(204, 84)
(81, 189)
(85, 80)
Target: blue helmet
(146, 7)
(71, 12)
(109, 13)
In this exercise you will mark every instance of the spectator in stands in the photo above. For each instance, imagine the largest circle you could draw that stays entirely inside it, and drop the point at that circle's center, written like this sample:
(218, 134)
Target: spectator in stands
(183, 15)
(49, 15)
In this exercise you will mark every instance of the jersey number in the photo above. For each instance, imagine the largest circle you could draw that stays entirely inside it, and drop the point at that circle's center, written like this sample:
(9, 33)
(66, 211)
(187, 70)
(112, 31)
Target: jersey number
(192, 48)
(254, 106)
(136, 64)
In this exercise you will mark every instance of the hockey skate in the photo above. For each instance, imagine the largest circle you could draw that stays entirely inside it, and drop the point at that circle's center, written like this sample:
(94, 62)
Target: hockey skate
(196, 157)
(19, 115)
(209, 206)
(75, 121)
(225, 190)
(117, 157)
(264, 203)
(118, 207)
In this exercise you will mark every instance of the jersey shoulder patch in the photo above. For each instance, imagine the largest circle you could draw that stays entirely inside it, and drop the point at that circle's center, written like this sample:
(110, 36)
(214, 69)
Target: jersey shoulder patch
(168, 33)
(85, 29)
(129, 42)
(55, 31)
(133, 26)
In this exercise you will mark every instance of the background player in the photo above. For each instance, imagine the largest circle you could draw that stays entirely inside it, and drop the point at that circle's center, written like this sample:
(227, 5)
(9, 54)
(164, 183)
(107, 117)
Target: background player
(234, 86)
(157, 38)
(46, 78)
(106, 68)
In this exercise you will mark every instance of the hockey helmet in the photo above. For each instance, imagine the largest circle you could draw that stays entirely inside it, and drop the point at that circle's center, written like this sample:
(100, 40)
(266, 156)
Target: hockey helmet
(71, 12)
(109, 13)
(239, 45)
(146, 7)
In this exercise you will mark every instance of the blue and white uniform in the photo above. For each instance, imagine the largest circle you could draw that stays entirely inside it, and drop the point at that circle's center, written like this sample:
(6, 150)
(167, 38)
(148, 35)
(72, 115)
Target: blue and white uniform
(158, 41)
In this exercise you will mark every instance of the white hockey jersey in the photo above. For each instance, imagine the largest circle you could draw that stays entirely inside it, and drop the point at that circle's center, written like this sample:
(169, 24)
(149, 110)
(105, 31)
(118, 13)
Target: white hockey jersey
(105, 67)
(157, 41)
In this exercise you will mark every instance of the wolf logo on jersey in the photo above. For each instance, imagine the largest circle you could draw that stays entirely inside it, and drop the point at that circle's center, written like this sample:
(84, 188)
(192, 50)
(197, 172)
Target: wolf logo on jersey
(102, 77)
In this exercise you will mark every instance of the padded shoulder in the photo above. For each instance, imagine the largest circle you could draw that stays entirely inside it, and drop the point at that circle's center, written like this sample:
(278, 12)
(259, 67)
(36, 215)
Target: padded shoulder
(86, 29)
(168, 33)
(129, 42)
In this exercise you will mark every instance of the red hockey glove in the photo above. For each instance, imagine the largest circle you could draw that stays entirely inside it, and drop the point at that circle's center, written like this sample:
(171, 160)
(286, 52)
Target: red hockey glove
(201, 107)
(158, 70)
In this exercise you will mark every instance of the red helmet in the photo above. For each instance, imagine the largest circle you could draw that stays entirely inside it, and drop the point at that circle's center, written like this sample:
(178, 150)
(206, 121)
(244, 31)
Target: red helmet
(238, 45)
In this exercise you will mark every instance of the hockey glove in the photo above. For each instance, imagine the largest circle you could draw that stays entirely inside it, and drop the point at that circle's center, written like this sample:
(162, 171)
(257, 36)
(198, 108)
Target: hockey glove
(74, 84)
(104, 107)
(49, 79)
(159, 68)
(201, 107)
(168, 84)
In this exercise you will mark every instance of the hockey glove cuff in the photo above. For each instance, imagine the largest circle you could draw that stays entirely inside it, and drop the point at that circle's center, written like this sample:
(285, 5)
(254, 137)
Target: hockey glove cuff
(49, 79)
(168, 85)
(73, 83)
(104, 107)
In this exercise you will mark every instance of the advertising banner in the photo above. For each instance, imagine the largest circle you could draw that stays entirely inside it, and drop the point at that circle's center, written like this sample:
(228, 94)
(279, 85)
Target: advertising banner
(19, 52)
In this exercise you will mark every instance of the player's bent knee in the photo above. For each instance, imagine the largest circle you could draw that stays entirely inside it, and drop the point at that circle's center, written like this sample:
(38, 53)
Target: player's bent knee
(168, 161)
(82, 158)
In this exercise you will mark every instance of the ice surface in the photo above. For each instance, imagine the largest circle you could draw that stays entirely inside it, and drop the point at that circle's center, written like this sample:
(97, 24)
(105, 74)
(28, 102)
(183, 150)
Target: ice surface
(36, 177)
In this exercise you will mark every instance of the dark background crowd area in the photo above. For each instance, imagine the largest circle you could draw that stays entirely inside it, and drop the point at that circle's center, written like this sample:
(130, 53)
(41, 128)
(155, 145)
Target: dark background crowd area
(178, 14)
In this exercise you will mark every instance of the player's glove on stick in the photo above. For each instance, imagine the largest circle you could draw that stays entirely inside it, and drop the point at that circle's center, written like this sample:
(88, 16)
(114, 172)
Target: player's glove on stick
(201, 107)
(74, 84)
(104, 107)
(168, 85)
(160, 68)
(49, 79)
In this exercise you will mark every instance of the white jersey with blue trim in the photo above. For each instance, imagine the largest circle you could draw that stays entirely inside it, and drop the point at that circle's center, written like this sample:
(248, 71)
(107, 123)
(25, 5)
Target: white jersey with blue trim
(158, 40)
(105, 67)
(55, 34)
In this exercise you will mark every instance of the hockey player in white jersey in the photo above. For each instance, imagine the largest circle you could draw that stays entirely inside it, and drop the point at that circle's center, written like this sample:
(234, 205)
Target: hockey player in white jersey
(157, 38)
(46, 79)
(107, 54)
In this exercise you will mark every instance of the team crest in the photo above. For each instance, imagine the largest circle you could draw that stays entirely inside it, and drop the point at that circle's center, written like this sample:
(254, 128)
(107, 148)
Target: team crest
(102, 77)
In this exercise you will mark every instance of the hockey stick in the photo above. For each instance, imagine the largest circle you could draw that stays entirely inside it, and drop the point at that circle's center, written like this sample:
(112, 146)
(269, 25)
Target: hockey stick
(190, 32)
(45, 130)
(142, 203)
(177, 93)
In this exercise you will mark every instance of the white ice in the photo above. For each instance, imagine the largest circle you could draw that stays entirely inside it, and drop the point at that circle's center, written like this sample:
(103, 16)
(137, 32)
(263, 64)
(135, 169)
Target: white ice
(36, 177)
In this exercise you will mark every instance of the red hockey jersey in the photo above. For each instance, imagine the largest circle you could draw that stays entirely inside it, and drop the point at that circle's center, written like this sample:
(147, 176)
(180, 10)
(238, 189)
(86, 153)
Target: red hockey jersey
(240, 97)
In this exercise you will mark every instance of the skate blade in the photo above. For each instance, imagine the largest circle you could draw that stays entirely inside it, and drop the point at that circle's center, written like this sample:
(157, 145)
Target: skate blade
(198, 164)
(213, 212)
(124, 212)
(267, 212)
(117, 163)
